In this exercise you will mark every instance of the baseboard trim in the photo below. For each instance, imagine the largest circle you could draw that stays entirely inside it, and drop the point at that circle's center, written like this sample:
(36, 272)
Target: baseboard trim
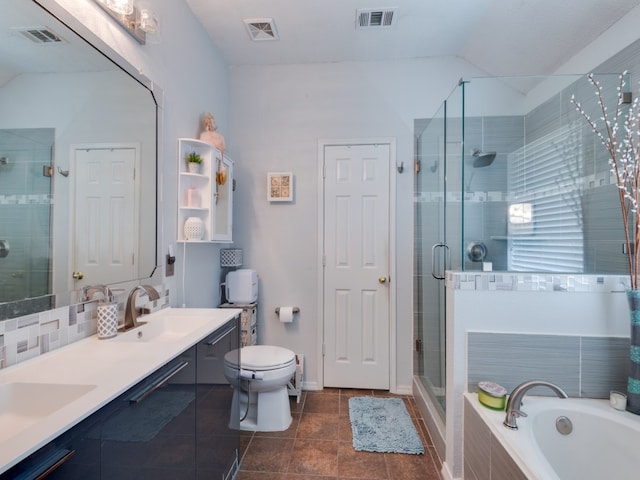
(313, 386)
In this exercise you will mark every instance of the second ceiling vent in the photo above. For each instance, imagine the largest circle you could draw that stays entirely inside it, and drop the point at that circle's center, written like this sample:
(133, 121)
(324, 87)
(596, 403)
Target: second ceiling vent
(375, 17)
(39, 35)
(261, 29)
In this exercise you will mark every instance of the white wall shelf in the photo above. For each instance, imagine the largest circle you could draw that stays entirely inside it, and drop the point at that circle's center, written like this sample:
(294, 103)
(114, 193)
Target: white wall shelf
(203, 195)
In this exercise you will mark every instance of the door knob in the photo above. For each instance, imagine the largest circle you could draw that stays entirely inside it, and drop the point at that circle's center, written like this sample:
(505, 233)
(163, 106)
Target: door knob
(382, 279)
(78, 275)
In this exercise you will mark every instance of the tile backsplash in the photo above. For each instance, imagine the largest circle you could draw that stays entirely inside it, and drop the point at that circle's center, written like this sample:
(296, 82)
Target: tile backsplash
(31, 335)
(530, 282)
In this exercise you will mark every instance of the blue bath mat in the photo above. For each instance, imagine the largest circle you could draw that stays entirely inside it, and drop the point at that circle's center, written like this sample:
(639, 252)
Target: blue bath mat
(383, 425)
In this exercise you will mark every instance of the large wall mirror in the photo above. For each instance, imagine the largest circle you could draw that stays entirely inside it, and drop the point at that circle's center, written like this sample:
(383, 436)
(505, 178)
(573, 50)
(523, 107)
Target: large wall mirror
(78, 165)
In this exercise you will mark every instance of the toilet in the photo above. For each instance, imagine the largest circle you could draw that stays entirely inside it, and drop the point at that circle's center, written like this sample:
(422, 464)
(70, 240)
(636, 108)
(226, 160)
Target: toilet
(260, 397)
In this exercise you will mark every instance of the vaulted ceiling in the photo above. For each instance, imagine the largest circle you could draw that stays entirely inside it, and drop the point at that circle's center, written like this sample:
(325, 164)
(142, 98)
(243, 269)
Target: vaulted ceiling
(501, 37)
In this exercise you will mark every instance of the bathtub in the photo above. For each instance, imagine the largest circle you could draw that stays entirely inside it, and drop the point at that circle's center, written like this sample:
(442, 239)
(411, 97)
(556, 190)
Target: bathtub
(603, 443)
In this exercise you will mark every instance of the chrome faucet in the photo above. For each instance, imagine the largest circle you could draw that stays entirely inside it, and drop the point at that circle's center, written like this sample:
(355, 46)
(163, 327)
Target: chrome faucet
(515, 400)
(130, 313)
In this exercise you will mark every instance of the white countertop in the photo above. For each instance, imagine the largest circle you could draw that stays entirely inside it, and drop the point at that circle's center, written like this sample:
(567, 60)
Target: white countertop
(112, 366)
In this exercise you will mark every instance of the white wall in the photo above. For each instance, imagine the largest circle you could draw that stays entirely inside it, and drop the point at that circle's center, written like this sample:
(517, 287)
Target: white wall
(279, 113)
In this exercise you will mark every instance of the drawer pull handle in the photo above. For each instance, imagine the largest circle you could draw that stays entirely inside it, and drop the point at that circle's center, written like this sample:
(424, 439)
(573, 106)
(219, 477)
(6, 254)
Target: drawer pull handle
(48, 466)
(164, 378)
(215, 339)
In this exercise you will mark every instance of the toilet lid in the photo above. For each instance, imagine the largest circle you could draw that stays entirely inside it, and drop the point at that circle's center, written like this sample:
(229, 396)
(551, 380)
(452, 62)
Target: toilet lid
(261, 357)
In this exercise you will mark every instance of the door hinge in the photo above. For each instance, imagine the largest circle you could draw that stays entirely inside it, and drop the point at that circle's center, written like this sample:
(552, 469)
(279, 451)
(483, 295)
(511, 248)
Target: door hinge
(323, 349)
(418, 345)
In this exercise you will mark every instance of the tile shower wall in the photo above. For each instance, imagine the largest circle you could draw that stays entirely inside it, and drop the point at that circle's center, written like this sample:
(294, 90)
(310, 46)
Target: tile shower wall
(28, 336)
(486, 192)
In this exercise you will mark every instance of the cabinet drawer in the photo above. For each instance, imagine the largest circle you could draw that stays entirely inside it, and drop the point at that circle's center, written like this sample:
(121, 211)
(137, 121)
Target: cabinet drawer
(150, 430)
(75, 455)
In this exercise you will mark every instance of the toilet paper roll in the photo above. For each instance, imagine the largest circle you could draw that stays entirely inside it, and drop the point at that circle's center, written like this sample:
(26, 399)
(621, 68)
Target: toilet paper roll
(286, 314)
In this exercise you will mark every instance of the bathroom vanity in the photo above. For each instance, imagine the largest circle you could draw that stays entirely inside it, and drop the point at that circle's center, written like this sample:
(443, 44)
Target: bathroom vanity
(149, 403)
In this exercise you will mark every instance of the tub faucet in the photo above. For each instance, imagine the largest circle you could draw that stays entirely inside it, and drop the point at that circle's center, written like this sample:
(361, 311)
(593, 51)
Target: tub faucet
(130, 312)
(515, 400)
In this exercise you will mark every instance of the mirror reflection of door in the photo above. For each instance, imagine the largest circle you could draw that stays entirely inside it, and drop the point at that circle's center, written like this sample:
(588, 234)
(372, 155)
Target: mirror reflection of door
(105, 215)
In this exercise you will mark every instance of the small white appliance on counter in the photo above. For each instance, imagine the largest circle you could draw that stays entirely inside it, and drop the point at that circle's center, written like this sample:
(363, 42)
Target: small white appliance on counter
(241, 286)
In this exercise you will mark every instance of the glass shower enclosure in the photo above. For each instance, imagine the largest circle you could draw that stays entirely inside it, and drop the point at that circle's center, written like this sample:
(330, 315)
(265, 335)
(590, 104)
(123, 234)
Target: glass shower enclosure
(25, 207)
(509, 177)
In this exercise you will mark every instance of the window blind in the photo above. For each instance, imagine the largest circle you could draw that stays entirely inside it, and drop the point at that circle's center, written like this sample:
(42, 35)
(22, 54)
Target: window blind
(546, 174)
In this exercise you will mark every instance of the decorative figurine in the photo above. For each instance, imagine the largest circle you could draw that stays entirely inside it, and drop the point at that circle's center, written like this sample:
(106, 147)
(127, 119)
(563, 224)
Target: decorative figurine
(210, 135)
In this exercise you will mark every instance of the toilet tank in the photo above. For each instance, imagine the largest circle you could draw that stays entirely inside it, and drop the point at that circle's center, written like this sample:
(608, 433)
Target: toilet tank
(242, 286)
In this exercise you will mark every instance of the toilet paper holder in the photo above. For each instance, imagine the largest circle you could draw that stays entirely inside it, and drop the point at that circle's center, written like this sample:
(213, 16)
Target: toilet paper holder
(295, 310)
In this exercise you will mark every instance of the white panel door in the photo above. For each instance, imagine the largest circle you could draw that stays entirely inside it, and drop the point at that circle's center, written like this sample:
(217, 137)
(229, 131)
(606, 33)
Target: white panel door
(356, 266)
(105, 233)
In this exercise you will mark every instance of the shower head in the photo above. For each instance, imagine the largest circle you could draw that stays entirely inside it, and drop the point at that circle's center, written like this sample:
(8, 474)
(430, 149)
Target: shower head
(482, 159)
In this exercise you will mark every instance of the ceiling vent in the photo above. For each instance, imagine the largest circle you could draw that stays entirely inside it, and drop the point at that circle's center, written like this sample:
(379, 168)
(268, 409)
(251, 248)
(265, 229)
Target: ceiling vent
(40, 35)
(375, 17)
(261, 29)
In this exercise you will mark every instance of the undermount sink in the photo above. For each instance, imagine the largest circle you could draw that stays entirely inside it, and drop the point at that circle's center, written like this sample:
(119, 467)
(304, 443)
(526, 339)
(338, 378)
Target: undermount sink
(23, 404)
(163, 329)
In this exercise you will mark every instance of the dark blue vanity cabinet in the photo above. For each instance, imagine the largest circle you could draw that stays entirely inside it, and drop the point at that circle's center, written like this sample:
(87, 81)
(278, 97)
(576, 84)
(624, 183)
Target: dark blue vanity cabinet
(149, 431)
(217, 445)
(74, 455)
(174, 424)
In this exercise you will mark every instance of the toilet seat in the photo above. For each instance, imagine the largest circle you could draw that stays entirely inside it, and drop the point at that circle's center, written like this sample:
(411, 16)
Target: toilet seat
(261, 357)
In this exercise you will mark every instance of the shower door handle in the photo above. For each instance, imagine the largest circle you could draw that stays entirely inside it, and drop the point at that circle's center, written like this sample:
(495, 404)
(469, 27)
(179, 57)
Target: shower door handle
(447, 260)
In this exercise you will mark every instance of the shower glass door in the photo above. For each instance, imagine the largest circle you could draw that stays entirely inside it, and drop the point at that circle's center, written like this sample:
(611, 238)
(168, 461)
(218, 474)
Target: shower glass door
(438, 215)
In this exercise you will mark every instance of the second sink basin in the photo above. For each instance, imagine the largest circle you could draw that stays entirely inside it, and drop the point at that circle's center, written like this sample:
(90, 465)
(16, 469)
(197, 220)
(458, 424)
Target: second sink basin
(163, 329)
(23, 404)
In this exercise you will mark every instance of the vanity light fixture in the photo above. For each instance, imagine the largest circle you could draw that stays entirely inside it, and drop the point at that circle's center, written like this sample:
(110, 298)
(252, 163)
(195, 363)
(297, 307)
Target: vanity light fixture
(123, 7)
(135, 19)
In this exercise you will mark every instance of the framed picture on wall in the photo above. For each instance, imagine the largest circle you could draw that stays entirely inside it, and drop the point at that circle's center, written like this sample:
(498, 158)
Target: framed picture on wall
(280, 186)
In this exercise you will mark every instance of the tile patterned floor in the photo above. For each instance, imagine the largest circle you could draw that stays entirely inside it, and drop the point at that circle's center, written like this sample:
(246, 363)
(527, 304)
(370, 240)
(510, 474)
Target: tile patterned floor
(318, 445)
